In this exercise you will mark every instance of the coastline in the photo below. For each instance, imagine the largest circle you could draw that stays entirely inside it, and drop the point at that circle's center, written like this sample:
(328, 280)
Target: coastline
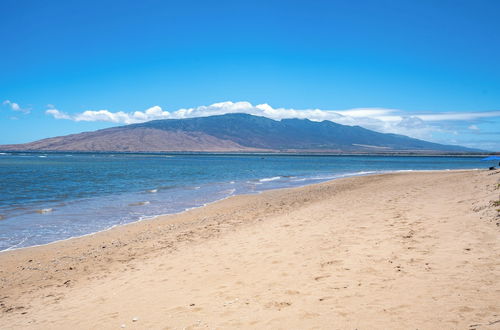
(35, 280)
(320, 181)
(91, 202)
(262, 153)
(309, 180)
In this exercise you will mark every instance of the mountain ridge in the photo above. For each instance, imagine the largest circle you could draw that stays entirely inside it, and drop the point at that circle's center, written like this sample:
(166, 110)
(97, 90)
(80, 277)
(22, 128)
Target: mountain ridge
(237, 132)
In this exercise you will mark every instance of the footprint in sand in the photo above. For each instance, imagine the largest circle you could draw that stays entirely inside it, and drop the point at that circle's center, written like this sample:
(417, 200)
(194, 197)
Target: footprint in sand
(318, 278)
(278, 305)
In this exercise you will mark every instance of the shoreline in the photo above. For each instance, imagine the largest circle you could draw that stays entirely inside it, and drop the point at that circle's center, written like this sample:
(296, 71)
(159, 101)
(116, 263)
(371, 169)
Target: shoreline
(147, 218)
(39, 283)
(270, 153)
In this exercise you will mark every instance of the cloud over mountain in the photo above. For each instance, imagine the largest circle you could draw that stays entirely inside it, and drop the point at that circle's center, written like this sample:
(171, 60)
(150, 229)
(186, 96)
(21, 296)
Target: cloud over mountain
(418, 125)
(236, 132)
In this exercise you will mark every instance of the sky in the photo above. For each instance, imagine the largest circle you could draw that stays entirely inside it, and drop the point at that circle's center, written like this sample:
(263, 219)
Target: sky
(426, 69)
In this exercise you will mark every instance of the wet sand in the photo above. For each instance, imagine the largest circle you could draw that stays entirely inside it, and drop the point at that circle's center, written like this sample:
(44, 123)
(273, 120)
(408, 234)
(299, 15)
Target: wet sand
(416, 250)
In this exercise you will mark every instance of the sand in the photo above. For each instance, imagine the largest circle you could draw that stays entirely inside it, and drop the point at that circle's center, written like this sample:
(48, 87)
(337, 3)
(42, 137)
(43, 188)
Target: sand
(414, 250)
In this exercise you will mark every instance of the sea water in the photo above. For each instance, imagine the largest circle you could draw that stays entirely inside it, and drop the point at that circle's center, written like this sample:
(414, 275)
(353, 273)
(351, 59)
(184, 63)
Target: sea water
(45, 197)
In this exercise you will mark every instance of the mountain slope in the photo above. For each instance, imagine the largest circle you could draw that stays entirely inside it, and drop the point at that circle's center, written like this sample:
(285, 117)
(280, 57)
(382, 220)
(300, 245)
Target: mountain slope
(265, 133)
(235, 132)
(128, 139)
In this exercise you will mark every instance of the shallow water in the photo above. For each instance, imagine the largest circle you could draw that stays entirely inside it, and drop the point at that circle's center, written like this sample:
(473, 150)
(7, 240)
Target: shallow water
(45, 197)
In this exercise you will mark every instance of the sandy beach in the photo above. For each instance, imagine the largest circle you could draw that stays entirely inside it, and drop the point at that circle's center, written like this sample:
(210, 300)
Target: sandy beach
(418, 250)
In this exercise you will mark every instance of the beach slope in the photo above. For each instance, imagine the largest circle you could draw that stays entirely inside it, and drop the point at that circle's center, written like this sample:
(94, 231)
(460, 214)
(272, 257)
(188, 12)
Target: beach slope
(416, 250)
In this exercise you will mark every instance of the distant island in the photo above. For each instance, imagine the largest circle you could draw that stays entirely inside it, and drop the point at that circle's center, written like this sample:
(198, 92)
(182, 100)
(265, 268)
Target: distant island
(237, 133)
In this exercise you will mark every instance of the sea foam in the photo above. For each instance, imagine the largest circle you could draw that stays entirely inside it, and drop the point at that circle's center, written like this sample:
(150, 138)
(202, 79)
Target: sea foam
(274, 178)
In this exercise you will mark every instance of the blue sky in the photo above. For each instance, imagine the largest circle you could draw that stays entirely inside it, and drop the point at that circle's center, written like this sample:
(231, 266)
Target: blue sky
(428, 69)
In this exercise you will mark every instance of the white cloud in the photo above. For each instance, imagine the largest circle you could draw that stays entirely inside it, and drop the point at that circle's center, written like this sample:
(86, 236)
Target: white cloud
(119, 117)
(16, 107)
(418, 125)
(459, 115)
(57, 114)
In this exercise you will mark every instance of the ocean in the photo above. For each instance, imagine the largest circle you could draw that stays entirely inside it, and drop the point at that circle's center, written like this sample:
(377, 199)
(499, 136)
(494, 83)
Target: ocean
(46, 197)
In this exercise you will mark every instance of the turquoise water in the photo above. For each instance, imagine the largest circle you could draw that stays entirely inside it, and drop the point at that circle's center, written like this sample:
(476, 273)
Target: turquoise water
(49, 197)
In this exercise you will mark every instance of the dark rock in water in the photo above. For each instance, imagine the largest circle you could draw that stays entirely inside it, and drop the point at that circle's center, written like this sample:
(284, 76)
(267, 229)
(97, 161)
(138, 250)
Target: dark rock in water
(139, 203)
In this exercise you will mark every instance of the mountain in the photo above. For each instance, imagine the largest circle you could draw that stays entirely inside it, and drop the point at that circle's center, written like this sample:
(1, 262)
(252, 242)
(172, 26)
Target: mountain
(236, 133)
